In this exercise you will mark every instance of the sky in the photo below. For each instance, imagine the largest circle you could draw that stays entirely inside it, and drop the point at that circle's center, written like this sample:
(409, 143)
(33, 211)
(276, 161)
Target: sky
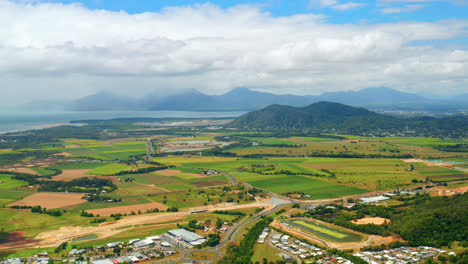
(69, 49)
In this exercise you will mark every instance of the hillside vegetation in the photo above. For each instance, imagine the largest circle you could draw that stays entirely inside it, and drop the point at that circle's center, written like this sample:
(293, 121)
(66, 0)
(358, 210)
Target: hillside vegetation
(334, 117)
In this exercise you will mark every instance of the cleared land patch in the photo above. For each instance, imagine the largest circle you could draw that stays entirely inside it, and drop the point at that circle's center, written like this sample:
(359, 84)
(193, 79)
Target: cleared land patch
(208, 183)
(169, 172)
(371, 220)
(51, 200)
(69, 175)
(128, 209)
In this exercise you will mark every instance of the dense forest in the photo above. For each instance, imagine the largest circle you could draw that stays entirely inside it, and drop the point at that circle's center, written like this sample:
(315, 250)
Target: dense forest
(433, 221)
(424, 220)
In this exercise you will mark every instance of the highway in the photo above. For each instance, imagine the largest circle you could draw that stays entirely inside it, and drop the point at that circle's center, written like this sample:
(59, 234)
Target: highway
(231, 234)
(149, 149)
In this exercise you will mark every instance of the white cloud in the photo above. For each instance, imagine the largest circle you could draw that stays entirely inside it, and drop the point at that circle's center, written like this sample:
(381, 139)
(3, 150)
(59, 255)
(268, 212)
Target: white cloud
(56, 50)
(404, 9)
(348, 6)
(322, 3)
(335, 5)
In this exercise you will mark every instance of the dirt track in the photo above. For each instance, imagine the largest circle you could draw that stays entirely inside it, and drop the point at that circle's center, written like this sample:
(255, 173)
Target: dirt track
(127, 209)
(55, 237)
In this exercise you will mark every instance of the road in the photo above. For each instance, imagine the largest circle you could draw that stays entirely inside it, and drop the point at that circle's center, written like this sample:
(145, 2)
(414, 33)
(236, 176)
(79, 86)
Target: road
(231, 234)
(149, 149)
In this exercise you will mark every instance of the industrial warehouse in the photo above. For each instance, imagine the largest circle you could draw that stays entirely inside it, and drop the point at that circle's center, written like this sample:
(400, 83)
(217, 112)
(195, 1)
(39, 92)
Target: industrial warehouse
(191, 239)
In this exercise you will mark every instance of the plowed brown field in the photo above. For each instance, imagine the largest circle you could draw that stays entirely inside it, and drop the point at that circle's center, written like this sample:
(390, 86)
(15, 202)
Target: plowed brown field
(69, 175)
(51, 200)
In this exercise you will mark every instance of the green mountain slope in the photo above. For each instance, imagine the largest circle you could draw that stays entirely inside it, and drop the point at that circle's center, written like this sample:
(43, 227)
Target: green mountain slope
(335, 117)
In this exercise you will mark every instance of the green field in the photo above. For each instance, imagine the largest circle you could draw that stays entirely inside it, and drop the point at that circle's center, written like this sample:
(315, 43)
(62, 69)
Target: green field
(110, 169)
(44, 172)
(9, 195)
(7, 183)
(364, 174)
(281, 184)
(326, 232)
(77, 165)
(33, 223)
(106, 151)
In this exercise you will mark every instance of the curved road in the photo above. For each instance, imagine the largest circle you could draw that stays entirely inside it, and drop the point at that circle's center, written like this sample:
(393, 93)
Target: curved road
(230, 235)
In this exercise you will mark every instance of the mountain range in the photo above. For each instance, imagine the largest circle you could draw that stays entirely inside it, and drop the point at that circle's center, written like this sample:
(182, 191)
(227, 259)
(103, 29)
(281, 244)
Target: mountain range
(244, 99)
(332, 117)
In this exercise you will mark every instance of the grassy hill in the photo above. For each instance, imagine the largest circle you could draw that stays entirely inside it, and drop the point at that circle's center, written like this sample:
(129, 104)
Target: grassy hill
(329, 117)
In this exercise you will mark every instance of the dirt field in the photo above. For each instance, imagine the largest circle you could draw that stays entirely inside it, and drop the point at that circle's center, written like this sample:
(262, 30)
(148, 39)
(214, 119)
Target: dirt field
(440, 164)
(128, 209)
(447, 191)
(69, 175)
(72, 146)
(62, 154)
(371, 220)
(168, 172)
(24, 170)
(209, 183)
(54, 238)
(51, 200)
(195, 175)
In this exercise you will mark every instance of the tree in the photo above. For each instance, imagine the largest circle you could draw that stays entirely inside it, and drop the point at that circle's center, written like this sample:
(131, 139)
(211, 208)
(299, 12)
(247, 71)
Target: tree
(219, 223)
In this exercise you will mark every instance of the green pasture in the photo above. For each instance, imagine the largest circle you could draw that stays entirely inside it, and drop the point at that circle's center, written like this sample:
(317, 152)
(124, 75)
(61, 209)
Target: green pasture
(108, 151)
(77, 165)
(10, 195)
(110, 169)
(7, 183)
(317, 189)
(315, 139)
(326, 232)
(272, 140)
(193, 198)
(420, 141)
(45, 172)
(154, 182)
(34, 223)
(367, 174)
(127, 199)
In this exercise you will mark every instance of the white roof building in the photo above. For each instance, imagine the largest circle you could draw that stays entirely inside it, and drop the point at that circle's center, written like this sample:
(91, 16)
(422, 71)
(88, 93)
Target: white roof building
(144, 243)
(187, 236)
(374, 199)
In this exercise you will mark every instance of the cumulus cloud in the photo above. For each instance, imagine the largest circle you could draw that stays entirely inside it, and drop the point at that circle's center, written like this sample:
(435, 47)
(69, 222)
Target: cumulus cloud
(56, 50)
(335, 5)
(404, 9)
(348, 6)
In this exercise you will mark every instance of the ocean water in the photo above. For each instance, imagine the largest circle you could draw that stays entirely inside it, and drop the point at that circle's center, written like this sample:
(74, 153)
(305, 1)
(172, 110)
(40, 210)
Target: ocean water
(13, 121)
